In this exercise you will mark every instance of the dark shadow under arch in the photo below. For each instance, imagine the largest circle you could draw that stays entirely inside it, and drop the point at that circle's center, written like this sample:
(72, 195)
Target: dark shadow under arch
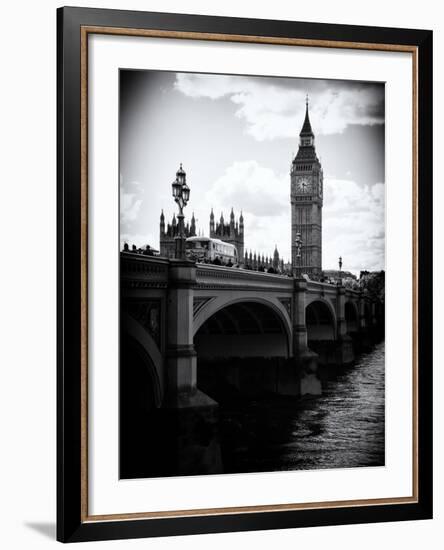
(351, 317)
(243, 329)
(240, 349)
(367, 315)
(320, 322)
(138, 405)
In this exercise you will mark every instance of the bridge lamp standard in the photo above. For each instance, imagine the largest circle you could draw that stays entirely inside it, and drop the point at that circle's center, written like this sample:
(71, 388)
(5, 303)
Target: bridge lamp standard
(298, 243)
(181, 195)
(340, 268)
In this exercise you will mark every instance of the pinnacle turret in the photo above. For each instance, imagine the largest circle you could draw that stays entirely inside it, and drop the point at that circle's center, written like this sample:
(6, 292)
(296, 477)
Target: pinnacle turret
(306, 127)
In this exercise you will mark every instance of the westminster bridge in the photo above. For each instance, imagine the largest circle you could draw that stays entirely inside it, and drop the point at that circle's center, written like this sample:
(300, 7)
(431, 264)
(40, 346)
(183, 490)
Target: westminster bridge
(177, 312)
(188, 329)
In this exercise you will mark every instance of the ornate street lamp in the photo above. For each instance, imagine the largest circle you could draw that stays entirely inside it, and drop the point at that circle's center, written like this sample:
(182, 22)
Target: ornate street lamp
(298, 243)
(181, 195)
(340, 269)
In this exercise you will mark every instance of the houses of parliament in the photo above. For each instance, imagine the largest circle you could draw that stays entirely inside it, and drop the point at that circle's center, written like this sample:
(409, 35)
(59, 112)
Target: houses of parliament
(231, 232)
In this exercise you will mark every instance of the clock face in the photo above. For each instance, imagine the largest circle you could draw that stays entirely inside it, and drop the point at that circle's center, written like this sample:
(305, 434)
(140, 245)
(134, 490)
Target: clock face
(303, 184)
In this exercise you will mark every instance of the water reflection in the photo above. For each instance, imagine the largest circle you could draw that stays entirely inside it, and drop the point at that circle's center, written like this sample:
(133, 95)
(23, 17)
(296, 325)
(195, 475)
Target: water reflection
(342, 428)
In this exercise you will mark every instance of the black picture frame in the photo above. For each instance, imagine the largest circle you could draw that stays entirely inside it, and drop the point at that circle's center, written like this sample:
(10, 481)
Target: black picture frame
(71, 523)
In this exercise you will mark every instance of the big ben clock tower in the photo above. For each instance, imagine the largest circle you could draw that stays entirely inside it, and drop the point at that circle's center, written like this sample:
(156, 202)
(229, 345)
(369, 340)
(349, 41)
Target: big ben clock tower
(306, 204)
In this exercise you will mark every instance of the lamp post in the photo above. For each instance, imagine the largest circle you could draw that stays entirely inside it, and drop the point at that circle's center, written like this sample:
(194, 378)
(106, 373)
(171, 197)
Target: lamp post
(298, 243)
(340, 269)
(181, 195)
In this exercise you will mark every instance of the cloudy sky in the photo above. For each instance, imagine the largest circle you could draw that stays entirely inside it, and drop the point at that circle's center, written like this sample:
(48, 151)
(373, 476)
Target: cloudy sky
(236, 137)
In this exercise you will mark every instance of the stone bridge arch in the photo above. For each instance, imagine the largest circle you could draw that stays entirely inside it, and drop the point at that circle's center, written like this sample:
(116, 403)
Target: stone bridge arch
(320, 319)
(351, 311)
(133, 333)
(214, 305)
(141, 384)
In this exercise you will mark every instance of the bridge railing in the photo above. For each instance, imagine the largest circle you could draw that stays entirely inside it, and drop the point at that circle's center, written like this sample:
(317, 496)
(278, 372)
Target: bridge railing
(211, 275)
(137, 270)
(317, 286)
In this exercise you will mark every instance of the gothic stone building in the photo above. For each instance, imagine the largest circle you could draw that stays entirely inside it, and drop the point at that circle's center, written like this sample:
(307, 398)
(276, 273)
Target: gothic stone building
(306, 203)
(231, 232)
(170, 231)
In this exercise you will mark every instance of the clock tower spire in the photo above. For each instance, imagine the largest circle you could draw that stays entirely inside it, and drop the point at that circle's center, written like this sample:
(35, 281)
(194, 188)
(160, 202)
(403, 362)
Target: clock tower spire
(306, 203)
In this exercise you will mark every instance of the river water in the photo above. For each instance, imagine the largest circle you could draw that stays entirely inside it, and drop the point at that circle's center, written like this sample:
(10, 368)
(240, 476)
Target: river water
(342, 428)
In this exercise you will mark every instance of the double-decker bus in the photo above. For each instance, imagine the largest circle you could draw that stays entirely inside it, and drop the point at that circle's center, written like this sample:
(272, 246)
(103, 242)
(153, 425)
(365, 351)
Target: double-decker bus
(205, 249)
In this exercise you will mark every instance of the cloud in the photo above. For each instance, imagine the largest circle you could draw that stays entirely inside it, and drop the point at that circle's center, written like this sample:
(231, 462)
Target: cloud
(264, 198)
(129, 207)
(353, 215)
(275, 108)
(250, 186)
(130, 202)
(353, 225)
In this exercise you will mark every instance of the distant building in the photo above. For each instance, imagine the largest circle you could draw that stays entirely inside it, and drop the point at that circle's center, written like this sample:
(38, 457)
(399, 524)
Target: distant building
(231, 232)
(335, 273)
(276, 261)
(170, 231)
(347, 278)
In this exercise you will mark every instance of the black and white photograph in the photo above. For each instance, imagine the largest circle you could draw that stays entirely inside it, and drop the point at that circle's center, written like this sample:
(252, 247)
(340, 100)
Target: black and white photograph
(252, 274)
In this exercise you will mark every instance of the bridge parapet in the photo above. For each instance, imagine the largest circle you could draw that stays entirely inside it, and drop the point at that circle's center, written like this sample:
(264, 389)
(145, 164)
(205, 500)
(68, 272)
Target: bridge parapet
(139, 271)
(331, 292)
(315, 287)
(214, 277)
(353, 294)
